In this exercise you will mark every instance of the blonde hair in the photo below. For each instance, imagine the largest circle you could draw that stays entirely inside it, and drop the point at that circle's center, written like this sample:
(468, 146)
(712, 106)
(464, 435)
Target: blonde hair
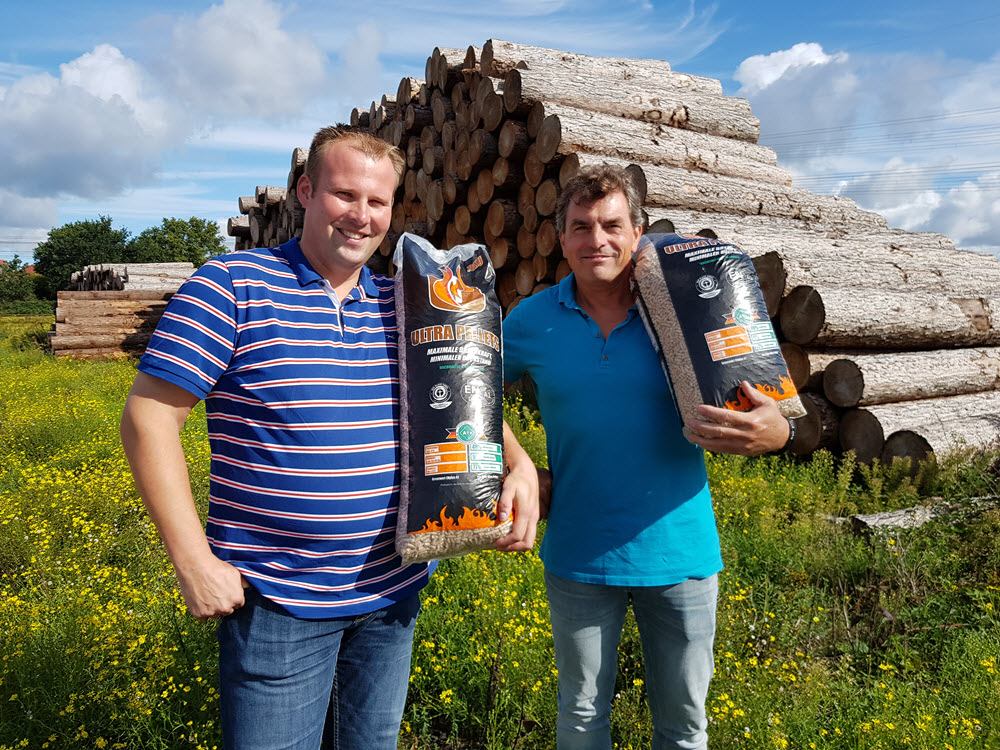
(374, 148)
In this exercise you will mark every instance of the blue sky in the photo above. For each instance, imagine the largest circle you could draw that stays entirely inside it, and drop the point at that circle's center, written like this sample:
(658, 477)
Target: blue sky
(132, 111)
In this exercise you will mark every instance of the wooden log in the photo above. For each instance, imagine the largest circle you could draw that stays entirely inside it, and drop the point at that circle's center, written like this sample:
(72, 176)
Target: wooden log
(529, 218)
(472, 198)
(246, 202)
(546, 196)
(434, 200)
(728, 117)
(499, 57)
(492, 111)
(691, 192)
(524, 278)
(432, 161)
(416, 227)
(939, 425)
(441, 110)
(454, 189)
(414, 153)
(818, 429)
(506, 287)
(525, 242)
(797, 360)
(534, 168)
(525, 197)
(359, 118)
(238, 226)
(503, 219)
(544, 267)
(566, 130)
(513, 140)
(482, 149)
(410, 184)
(533, 123)
(880, 319)
(861, 432)
(771, 279)
(123, 341)
(546, 238)
(563, 270)
(507, 176)
(417, 118)
(448, 135)
(467, 222)
(408, 91)
(484, 185)
(459, 93)
(864, 378)
(449, 67)
(503, 255)
(573, 163)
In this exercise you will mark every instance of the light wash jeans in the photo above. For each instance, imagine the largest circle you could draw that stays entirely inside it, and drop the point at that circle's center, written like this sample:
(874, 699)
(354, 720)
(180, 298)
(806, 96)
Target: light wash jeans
(288, 683)
(677, 628)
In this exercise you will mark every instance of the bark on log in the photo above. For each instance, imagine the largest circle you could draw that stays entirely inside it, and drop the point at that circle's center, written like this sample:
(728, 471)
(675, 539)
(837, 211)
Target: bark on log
(566, 130)
(513, 140)
(940, 425)
(728, 117)
(818, 429)
(499, 57)
(238, 226)
(887, 320)
(859, 378)
(670, 187)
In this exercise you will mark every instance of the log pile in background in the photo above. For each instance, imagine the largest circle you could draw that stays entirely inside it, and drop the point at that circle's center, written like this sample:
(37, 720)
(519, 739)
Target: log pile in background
(891, 335)
(131, 277)
(106, 324)
(113, 309)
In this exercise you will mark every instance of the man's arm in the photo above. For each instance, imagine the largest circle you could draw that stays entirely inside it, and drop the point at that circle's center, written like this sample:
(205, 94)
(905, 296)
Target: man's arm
(150, 430)
(520, 494)
(761, 430)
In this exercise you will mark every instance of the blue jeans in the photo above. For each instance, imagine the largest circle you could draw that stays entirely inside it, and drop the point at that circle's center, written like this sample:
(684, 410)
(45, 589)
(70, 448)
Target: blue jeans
(677, 629)
(339, 684)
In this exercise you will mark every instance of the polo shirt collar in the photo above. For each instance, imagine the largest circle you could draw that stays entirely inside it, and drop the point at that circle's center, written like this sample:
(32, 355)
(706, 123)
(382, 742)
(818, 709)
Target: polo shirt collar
(306, 274)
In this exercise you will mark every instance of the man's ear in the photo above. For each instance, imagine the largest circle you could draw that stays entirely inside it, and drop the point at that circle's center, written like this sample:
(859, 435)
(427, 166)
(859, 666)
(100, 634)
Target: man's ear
(303, 190)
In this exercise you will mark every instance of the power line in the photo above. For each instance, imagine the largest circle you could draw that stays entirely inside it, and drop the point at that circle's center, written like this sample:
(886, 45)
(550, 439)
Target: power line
(882, 123)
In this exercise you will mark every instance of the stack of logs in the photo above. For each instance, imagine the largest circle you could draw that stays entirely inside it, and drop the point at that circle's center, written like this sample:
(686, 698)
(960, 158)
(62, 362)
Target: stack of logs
(889, 334)
(131, 277)
(103, 325)
(114, 308)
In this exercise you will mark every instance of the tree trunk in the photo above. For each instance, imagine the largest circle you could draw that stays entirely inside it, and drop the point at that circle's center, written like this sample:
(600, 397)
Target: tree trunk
(727, 117)
(860, 378)
(876, 319)
(566, 130)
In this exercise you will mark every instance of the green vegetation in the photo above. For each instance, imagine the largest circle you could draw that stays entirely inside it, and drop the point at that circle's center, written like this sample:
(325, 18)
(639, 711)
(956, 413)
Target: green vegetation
(825, 640)
(82, 243)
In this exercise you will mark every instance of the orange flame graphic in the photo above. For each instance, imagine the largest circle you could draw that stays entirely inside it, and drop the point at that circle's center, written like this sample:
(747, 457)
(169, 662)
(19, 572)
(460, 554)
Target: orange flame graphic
(452, 294)
(470, 519)
(784, 389)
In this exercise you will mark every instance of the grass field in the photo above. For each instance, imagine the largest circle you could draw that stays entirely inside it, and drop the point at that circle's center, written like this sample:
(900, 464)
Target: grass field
(825, 639)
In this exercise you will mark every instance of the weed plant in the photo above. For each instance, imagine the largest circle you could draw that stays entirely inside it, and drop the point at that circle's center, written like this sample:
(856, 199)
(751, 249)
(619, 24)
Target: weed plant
(826, 639)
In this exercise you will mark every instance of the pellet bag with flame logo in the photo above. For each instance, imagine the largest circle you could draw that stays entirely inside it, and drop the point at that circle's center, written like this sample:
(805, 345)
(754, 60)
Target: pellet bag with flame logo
(702, 307)
(451, 400)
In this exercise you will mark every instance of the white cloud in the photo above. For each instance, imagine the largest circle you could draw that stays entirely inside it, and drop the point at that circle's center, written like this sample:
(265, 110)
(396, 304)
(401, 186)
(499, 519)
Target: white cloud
(92, 131)
(235, 59)
(760, 71)
(26, 213)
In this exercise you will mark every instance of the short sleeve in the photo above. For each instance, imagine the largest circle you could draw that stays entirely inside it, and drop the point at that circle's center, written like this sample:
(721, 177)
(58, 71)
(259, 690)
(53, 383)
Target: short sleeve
(196, 337)
(514, 365)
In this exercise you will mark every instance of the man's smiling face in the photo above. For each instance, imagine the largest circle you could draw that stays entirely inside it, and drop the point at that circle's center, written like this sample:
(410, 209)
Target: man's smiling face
(348, 210)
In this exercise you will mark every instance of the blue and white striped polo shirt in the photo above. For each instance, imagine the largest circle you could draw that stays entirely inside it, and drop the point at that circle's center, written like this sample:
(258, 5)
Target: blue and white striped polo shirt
(301, 399)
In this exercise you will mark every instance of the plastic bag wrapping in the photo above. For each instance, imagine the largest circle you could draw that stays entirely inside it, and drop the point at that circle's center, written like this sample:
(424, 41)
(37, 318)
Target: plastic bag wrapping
(702, 307)
(451, 400)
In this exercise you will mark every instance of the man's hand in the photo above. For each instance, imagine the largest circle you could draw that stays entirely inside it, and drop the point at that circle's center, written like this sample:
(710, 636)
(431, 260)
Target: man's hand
(761, 430)
(212, 589)
(519, 496)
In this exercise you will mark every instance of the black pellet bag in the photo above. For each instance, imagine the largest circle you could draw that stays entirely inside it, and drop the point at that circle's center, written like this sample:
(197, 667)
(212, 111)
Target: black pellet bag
(706, 317)
(451, 400)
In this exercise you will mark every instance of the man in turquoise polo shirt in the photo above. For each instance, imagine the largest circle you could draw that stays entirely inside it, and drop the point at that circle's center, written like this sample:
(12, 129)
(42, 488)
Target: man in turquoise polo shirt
(631, 517)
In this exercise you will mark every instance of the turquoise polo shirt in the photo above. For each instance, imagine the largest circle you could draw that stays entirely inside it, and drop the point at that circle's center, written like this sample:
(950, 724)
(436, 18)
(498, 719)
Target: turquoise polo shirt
(630, 500)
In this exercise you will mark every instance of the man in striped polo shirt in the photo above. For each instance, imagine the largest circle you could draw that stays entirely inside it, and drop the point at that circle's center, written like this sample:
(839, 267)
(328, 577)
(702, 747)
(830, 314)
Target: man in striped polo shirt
(293, 349)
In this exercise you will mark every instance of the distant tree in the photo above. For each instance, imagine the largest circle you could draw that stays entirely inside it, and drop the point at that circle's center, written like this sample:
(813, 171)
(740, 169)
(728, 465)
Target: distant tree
(175, 240)
(81, 243)
(15, 284)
